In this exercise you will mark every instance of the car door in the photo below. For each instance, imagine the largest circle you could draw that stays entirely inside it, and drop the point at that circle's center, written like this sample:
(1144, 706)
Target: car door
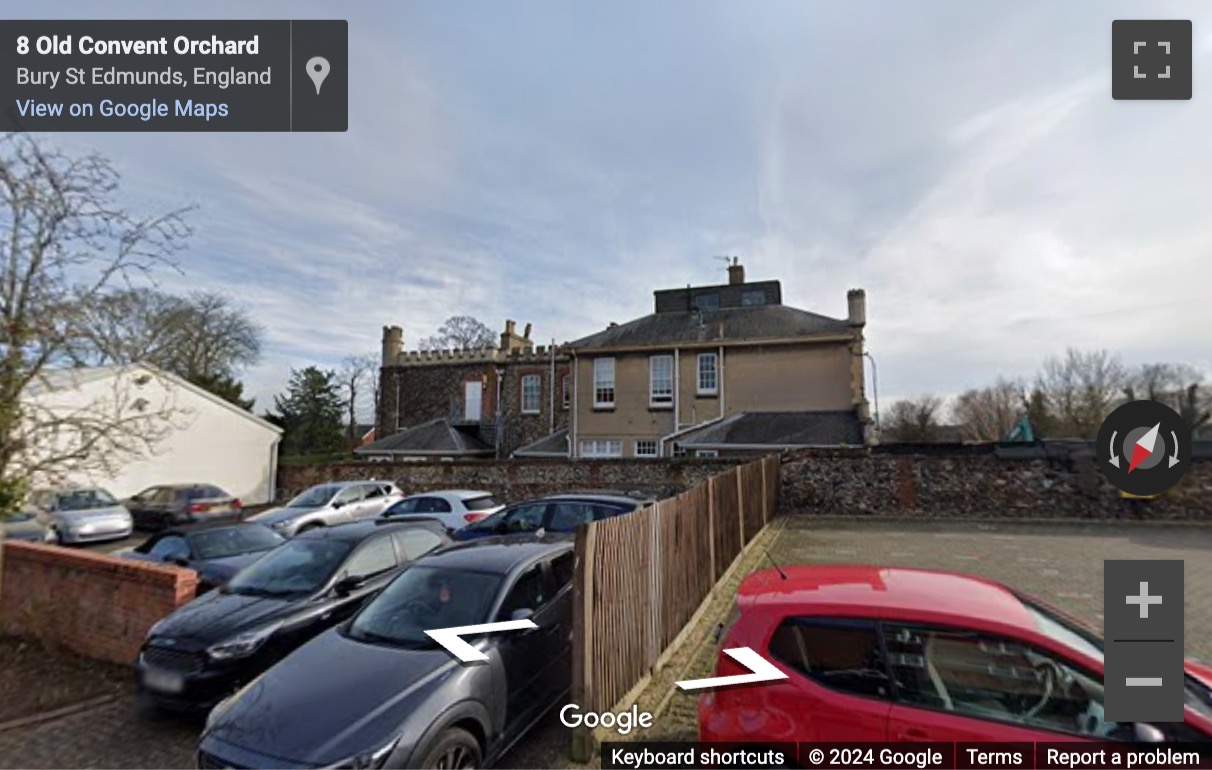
(344, 506)
(837, 686)
(527, 517)
(412, 544)
(524, 654)
(568, 515)
(373, 502)
(956, 684)
(556, 627)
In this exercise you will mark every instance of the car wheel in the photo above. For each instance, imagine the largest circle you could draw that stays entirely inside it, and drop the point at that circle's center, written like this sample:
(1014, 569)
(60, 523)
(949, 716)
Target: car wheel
(454, 749)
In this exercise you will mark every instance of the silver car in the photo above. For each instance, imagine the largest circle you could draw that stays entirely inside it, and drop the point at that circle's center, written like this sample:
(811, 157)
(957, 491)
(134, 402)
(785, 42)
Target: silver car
(326, 505)
(81, 515)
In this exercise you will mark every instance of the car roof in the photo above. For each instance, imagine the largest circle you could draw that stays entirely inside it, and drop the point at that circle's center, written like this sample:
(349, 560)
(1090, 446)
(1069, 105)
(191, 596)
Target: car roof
(592, 498)
(460, 494)
(498, 555)
(885, 592)
(209, 526)
(360, 530)
(633, 495)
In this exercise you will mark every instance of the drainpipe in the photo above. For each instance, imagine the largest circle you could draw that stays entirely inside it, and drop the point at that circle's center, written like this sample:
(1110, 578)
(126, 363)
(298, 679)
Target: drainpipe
(500, 415)
(719, 379)
(676, 404)
(552, 388)
(572, 422)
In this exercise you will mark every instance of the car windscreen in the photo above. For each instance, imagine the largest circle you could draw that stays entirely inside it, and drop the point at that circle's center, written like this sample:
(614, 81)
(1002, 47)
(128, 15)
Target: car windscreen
(480, 503)
(296, 568)
(1062, 630)
(424, 598)
(315, 497)
(233, 541)
(84, 500)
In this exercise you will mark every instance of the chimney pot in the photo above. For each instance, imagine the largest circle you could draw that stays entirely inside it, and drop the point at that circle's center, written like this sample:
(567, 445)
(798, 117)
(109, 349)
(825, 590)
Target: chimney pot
(526, 333)
(856, 300)
(736, 273)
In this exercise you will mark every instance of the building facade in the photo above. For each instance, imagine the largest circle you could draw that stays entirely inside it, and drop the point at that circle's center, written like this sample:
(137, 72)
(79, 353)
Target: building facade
(469, 403)
(720, 370)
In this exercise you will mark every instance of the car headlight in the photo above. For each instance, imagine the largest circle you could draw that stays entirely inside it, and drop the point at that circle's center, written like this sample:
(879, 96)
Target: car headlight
(243, 644)
(367, 760)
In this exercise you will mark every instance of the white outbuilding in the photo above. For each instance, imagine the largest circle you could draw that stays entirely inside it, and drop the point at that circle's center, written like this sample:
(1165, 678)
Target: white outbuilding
(126, 428)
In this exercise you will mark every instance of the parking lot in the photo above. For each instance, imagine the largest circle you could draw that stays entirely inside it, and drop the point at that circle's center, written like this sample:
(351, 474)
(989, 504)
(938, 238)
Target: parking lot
(1060, 563)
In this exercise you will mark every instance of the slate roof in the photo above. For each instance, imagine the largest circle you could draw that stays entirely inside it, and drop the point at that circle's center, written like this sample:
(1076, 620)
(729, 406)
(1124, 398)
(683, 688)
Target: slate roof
(555, 445)
(778, 429)
(726, 325)
(433, 438)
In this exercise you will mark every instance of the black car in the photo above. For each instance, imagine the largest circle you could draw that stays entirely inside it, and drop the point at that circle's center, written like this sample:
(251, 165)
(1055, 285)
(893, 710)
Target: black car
(555, 513)
(378, 692)
(161, 507)
(206, 649)
(215, 551)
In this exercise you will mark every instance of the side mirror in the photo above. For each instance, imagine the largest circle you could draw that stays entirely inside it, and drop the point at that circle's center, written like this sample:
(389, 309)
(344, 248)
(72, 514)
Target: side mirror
(1147, 733)
(347, 585)
(522, 614)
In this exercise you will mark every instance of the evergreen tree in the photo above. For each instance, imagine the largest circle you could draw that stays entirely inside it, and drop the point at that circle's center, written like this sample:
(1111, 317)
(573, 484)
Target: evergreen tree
(310, 413)
(227, 388)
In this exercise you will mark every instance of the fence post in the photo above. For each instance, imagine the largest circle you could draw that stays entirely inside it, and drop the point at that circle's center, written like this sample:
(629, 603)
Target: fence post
(656, 616)
(740, 502)
(765, 493)
(711, 528)
(582, 638)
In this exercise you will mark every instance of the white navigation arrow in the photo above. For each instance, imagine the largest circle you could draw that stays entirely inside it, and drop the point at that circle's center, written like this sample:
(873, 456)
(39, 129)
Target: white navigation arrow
(763, 671)
(449, 637)
(1114, 457)
(1174, 457)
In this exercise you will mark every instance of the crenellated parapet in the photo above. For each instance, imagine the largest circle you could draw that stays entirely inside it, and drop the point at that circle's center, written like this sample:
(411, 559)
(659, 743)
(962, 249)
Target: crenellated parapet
(486, 356)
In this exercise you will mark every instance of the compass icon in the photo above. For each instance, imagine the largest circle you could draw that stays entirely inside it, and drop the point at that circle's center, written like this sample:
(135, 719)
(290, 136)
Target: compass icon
(1144, 448)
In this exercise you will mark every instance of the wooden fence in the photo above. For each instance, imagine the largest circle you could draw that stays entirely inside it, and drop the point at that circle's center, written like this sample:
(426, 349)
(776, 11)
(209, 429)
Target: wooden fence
(640, 578)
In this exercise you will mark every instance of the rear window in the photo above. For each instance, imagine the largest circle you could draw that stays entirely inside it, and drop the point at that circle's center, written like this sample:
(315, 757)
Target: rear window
(481, 503)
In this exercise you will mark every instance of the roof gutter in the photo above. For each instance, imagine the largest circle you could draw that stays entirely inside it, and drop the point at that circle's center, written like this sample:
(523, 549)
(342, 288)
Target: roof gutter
(814, 339)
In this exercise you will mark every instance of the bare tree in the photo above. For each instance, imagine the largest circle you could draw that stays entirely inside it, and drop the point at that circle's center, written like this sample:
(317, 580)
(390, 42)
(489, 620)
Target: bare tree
(64, 243)
(357, 373)
(1080, 389)
(914, 420)
(989, 413)
(128, 325)
(217, 338)
(460, 332)
(1179, 386)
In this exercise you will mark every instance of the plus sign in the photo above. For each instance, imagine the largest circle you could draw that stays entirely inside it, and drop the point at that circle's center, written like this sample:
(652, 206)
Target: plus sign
(1144, 600)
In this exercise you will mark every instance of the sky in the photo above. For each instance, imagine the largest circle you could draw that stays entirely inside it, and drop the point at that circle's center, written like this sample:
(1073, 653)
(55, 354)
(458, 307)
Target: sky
(554, 163)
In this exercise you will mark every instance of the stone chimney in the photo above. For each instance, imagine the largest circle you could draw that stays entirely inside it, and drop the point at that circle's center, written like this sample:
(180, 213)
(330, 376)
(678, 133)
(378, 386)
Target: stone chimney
(856, 299)
(393, 344)
(511, 340)
(736, 273)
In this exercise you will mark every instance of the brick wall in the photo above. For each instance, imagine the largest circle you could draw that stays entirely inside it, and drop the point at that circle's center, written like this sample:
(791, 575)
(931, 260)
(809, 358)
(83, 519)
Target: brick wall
(972, 483)
(96, 605)
(513, 480)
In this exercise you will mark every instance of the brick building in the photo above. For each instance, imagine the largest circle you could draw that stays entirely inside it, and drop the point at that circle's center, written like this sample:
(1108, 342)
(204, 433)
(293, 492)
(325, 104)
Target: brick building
(718, 371)
(485, 402)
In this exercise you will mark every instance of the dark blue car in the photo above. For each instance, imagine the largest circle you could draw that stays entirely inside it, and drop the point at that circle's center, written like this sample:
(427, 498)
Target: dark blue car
(556, 513)
(215, 552)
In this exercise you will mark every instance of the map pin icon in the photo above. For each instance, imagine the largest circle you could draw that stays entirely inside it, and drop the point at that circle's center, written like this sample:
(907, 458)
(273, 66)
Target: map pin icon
(317, 70)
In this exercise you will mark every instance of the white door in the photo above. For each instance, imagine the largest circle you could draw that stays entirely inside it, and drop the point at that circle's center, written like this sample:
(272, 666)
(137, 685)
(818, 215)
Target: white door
(472, 395)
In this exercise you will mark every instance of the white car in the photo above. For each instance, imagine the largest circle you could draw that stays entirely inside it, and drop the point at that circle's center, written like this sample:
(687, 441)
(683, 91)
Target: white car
(455, 508)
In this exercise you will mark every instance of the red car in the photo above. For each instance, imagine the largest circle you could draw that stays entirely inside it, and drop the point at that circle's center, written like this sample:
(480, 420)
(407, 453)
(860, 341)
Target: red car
(891, 654)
